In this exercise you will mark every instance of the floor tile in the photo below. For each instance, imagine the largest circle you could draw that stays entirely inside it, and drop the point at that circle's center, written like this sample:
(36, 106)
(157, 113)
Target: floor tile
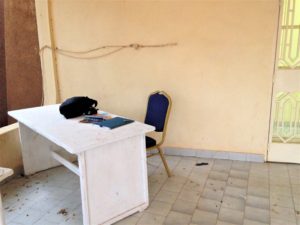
(295, 178)
(258, 202)
(241, 166)
(216, 175)
(215, 184)
(256, 214)
(251, 222)
(29, 217)
(154, 188)
(188, 195)
(238, 174)
(209, 205)
(194, 186)
(282, 222)
(166, 196)
(200, 176)
(296, 189)
(131, 220)
(223, 162)
(204, 218)
(258, 191)
(298, 217)
(212, 194)
(178, 179)
(259, 172)
(176, 218)
(281, 200)
(236, 182)
(258, 182)
(231, 216)
(182, 171)
(173, 186)
(233, 203)
(159, 208)
(199, 179)
(151, 219)
(221, 168)
(284, 182)
(282, 190)
(296, 199)
(16, 223)
(202, 169)
(236, 192)
(45, 204)
(297, 209)
(219, 222)
(183, 206)
(283, 214)
(55, 217)
(44, 222)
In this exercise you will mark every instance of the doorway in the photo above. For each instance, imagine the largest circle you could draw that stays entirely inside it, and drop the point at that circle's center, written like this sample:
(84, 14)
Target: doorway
(284, 138)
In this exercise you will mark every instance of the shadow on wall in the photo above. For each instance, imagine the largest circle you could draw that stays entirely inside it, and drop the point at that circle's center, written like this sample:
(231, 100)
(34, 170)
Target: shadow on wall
(20, 76)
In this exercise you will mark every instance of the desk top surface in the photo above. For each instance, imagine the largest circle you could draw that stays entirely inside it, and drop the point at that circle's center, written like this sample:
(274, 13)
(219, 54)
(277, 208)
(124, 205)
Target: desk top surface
(73, 136)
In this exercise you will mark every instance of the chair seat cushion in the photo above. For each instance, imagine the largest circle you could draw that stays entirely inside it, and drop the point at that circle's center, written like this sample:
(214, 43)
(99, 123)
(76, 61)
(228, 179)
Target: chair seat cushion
(150, 142)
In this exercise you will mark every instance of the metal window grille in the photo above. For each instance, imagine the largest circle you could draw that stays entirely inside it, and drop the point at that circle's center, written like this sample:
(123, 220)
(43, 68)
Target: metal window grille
(289, 50)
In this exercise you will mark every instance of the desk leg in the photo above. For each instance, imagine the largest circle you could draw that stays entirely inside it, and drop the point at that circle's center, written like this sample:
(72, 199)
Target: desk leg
(36, 151)
(113, 181)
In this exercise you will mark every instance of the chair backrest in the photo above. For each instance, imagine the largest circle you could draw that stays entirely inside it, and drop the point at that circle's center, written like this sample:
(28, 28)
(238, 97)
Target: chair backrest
(158, 109)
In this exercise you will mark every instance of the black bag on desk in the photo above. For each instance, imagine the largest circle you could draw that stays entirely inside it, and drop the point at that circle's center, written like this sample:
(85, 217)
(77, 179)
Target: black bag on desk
(77, 106)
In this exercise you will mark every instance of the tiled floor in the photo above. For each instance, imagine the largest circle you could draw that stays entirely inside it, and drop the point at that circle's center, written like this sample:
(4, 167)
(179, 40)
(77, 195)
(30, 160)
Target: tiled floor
(223, 192)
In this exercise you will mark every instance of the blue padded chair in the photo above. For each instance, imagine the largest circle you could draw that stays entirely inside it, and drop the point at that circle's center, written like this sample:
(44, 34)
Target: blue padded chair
(158, 111)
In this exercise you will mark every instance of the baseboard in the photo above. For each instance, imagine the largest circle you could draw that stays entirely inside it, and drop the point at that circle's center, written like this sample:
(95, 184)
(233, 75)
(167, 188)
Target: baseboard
(248, 157)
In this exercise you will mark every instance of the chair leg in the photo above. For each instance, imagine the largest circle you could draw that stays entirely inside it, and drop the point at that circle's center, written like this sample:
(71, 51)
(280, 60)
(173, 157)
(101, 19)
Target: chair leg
(164, 161)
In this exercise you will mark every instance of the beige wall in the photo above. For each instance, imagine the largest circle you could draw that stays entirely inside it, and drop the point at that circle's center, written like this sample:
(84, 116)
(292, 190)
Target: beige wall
(219, 76)
(10, 148)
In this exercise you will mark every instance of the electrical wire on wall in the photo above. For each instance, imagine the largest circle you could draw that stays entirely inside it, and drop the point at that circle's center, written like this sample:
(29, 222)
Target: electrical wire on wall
(116, 48)
(94, 53)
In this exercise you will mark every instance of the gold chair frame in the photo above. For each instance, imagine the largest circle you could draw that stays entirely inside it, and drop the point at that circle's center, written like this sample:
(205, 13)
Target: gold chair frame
(158, 145)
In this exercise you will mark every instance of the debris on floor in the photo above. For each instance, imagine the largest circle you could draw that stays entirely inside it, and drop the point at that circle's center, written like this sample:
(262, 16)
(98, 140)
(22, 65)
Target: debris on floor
(202, 164)
(63, 212)
(215, 187)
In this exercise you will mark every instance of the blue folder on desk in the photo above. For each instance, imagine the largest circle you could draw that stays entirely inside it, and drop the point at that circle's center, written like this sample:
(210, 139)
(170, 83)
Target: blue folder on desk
(114, 122)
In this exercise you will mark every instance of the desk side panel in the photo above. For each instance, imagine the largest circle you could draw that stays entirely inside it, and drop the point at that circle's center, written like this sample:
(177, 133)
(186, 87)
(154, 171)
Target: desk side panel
(114, 180)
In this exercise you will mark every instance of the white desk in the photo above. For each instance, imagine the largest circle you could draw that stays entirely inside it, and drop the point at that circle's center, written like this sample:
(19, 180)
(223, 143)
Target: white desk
(112, 163)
